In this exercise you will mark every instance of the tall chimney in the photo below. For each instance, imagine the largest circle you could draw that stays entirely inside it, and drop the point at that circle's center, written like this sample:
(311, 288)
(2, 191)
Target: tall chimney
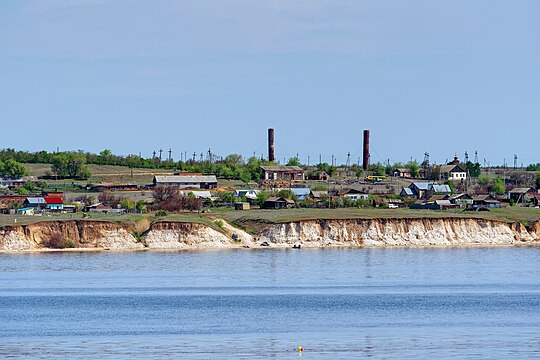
(271, 145)
(365, 164)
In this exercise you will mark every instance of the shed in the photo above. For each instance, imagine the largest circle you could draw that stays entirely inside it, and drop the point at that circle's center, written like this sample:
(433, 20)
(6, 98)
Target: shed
(242, 206)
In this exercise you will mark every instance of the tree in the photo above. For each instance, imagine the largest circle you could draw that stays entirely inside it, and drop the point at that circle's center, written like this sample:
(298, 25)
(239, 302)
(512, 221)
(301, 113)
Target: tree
(127, 204)
(498, 186)
(473, 169)
(294, 161)
(140, 205)
(414, 168)
(262, 196)
(164, 193)
(70, 165)
(12, 168)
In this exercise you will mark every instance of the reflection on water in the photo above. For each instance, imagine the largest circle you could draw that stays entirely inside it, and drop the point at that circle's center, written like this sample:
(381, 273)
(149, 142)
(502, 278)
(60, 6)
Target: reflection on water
(382, 303)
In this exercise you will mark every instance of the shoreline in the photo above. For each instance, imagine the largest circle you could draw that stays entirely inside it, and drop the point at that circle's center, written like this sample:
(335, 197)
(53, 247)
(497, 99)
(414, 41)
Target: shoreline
(436, 232)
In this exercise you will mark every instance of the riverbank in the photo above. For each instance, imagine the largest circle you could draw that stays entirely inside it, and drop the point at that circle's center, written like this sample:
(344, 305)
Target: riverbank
(228, 230)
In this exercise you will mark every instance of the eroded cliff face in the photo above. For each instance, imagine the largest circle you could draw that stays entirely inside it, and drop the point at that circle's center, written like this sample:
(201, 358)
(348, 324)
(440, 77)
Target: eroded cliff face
(82, 234)
(399, 232)
(85, 234)
(175, 235)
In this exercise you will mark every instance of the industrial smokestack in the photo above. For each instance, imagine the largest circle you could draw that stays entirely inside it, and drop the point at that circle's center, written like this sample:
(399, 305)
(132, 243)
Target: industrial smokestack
(365, 164)
(271, 145)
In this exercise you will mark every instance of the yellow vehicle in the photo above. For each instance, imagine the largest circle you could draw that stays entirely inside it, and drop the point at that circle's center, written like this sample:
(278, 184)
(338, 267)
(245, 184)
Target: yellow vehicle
(375, 178)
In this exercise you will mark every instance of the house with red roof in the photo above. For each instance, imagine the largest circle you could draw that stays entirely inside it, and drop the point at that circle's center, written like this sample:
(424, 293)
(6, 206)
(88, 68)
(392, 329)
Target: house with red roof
(54, 202)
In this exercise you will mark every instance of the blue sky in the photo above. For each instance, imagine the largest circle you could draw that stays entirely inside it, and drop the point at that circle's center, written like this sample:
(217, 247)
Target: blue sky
(132, 76)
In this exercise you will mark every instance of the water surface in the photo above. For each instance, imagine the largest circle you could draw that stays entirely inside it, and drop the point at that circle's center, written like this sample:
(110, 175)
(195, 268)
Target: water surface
(343, 303)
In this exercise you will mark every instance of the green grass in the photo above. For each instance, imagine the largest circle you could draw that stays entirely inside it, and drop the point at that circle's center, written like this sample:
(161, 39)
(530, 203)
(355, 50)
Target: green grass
(255, 220)
(523, 215)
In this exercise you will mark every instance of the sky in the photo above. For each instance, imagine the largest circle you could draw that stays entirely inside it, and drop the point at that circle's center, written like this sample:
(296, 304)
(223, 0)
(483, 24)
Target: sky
(132, 76)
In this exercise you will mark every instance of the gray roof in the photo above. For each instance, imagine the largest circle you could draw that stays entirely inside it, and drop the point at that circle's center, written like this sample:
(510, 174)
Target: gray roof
(422, 185)
(520, 190)
(440, 188)
(36, 200)
(408, 191)
(300, 191)
(281, 168)
(186, 179)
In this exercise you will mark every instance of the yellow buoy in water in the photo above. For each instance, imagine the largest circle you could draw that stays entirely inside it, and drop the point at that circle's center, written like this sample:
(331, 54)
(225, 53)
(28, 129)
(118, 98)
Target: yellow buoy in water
(300, 349)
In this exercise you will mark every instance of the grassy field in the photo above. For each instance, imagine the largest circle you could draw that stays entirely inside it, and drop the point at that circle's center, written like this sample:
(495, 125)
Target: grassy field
(254, 219)
(523, 215)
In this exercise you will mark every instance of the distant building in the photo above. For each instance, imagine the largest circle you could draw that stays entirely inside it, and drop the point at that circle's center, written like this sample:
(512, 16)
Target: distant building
(283, 173)
(402, 173)
(277, 203)
(486, 201)
(249, 194)
(453, 173)
(242, 206)
(354, 194)
(521, 194)
(424, 190)
(112, 187)
(187, 181)
(54, 202)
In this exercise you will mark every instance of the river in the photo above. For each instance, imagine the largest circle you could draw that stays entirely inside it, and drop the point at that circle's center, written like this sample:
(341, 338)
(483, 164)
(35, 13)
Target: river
(467, 303)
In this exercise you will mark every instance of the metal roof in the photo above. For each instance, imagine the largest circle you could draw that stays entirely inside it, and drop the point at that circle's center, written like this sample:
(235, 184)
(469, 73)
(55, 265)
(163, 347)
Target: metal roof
(281, 168)
(186, 179)
(36, 200)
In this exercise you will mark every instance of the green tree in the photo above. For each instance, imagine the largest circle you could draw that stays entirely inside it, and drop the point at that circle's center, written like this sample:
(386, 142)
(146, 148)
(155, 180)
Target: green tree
(473, 169)
(414, 168)
(140, 205)
(12, 168)
(294, 161)
(127, 204)
(70, 165)
(498, 186)
(262, 196)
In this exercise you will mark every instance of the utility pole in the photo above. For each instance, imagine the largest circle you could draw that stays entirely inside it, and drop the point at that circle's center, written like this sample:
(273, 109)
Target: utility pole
(170, 154)
(308, 160)
(160, 152)
(476, 157)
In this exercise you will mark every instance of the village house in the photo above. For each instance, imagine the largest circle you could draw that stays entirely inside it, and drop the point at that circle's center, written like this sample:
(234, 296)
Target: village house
(354, 194)
(248, 194)
(462, 200)
(521, 195)
(486, 201)
(283, 173)
(54, 203)
(300, 193)
(424, 190)
(187, 181)
(453, 171)
(276, 203)
(35, 202)
(403, 173)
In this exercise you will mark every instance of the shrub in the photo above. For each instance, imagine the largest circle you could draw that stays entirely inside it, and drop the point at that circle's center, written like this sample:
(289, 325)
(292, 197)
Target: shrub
(161, 213)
